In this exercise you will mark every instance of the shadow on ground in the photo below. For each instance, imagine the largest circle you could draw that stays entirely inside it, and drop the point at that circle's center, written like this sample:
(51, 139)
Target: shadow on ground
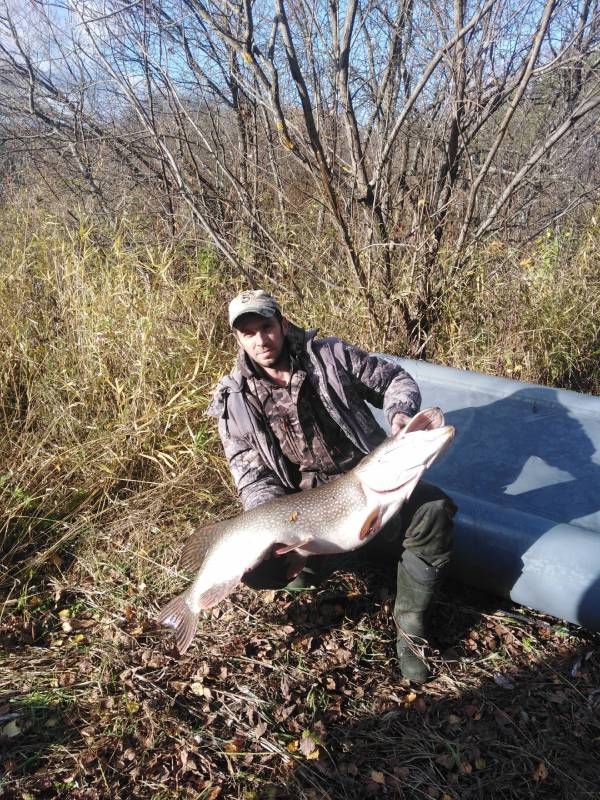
(295, 696)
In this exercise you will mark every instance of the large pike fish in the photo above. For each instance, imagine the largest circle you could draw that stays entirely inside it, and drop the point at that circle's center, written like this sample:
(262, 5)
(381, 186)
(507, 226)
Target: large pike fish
(337, 517)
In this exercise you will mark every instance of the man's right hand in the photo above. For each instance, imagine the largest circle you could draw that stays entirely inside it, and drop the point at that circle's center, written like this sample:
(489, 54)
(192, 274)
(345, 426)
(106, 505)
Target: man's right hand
(399, 422)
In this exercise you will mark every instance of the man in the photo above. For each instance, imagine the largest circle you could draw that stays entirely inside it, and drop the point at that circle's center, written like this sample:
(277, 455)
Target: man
(293, 414)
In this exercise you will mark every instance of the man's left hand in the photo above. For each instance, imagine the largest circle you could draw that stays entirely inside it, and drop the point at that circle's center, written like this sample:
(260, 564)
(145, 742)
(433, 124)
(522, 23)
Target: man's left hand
(399, 421)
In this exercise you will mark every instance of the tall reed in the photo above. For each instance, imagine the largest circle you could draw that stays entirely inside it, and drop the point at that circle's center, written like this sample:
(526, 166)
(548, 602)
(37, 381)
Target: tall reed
(111, 347)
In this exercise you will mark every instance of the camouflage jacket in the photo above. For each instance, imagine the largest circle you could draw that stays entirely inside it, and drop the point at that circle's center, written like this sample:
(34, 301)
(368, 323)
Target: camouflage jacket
(278, 440)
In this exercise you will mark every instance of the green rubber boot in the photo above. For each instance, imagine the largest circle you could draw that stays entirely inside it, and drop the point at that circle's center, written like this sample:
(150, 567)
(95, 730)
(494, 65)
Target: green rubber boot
(427, 548)
(412, 601)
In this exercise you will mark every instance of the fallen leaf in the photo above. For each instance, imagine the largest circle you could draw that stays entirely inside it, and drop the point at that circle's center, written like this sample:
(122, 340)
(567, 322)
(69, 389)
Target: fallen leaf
(285, 688)
(260, 730)
(287, 711)
(302, 644)
(540, 773)
(377, 777)
(132, 706)
(446, 760)
(308, 746)
(503, 681)
(11, 729)
(156, 660)
(344, 657)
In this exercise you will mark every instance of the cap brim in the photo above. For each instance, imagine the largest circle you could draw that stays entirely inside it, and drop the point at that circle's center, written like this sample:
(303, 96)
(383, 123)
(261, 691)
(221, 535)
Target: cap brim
(264, 312)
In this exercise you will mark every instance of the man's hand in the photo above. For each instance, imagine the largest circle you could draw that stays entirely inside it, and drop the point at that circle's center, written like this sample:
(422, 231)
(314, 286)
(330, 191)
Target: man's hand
(399, 421)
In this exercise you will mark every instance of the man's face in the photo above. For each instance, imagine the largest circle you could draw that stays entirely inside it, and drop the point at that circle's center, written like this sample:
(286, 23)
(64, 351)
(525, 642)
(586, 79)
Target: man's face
(261, 338)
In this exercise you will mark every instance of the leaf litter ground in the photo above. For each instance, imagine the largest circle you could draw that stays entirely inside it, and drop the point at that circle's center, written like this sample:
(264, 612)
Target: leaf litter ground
(295, 695)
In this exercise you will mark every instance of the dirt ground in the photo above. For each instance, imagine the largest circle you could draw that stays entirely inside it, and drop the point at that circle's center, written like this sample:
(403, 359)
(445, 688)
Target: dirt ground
(295, 695)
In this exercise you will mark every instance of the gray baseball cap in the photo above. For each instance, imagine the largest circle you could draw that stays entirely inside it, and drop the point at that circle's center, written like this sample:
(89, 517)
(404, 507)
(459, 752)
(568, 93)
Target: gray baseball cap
(252, 301)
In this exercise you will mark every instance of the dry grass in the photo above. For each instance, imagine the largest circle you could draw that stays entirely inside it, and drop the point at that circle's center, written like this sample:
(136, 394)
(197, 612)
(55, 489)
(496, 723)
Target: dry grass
(110, 354)
(531, 314)
(108, 365)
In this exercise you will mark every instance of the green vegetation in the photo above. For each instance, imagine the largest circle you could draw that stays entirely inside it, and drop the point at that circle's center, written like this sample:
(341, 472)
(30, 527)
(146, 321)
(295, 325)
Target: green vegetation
(111, 347)
(409, 189)
(111, 352)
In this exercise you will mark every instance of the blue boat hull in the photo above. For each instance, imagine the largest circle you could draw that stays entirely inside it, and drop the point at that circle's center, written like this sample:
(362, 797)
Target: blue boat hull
(525, 473)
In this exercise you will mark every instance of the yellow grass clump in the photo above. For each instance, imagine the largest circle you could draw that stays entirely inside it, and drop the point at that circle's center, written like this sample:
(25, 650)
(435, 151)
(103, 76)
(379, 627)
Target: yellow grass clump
(109, 355)
(111, 347)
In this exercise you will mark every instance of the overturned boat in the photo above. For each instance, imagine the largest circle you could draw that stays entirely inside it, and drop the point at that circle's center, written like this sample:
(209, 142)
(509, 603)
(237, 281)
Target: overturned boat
(525, 474)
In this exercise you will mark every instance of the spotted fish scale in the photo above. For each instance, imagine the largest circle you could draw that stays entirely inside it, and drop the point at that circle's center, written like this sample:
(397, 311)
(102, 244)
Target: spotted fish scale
(333, 518)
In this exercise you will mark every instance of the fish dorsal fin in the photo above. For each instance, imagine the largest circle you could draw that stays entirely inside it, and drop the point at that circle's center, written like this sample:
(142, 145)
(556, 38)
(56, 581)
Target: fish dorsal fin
(196, 547)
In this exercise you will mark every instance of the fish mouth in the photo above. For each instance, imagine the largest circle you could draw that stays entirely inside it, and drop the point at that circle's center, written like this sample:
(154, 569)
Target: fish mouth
(446, 435)
(403, 483)
(448, 432)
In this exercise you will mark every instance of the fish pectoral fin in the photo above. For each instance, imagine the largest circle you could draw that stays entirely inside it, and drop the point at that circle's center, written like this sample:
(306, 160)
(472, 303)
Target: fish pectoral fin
(179, 616)
(281, 550)
(295, 566)
(372, 524)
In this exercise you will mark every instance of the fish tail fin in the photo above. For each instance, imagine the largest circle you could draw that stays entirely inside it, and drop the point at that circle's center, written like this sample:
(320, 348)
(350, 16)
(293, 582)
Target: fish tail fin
(178, 615)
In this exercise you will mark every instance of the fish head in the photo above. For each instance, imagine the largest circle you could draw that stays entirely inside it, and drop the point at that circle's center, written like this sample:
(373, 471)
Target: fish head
(398, 463)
